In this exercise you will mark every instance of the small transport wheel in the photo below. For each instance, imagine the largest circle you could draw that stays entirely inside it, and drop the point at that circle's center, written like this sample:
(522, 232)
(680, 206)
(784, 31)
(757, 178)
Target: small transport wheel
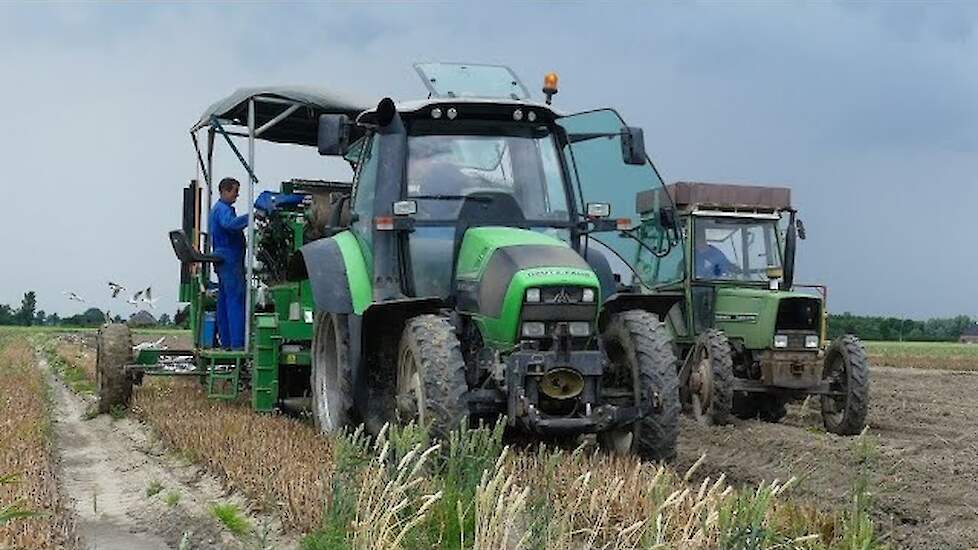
(431, 383)
(639, 349)
(113, 351)
(330, 383)
(847, 371)
(707, 387)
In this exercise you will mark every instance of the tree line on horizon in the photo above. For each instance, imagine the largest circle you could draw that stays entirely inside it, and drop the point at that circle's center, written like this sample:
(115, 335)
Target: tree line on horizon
(28, 315)
(866, 327)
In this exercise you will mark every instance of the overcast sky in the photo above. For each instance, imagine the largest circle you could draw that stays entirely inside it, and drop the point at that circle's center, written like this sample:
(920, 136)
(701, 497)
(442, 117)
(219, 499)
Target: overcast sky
(869, 113)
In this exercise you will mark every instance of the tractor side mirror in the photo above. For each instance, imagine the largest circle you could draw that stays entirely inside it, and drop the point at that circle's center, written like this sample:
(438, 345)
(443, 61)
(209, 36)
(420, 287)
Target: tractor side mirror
(633, 145)
(334, 134)
(667, 218)
(801, 229)
(790, 243)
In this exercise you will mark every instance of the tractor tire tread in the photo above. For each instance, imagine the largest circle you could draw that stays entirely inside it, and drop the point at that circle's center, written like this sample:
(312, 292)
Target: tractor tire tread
(442, 372)
(851, 349)
(642, 334)
(722, 367)
(341, 348)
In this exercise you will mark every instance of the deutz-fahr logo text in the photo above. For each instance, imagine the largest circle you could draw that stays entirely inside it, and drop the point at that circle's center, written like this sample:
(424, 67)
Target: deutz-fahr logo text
(558, 272)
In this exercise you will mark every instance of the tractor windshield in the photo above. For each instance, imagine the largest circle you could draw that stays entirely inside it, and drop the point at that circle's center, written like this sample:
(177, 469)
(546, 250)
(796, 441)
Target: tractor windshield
(735, 249)
(512, 170)
(518, 161)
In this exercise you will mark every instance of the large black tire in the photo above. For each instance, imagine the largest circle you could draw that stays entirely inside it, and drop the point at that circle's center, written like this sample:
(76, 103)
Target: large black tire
(431, 383)
(708, 391)
(638, 341)
(113, 351)
(769, 408)
(847, 370)
(330, 376)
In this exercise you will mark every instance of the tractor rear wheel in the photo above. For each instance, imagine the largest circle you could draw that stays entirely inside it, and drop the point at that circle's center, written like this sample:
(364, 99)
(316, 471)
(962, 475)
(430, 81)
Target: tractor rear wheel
(330, 383)
(431, 376)
(113, 351)
(640, 352)
(707, 389)
(847, 371)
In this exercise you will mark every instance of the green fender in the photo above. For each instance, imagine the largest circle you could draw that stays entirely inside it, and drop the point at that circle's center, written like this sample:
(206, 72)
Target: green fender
(338, 274)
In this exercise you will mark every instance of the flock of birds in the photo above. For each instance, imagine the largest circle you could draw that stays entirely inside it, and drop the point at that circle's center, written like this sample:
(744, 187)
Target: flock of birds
(137, 300)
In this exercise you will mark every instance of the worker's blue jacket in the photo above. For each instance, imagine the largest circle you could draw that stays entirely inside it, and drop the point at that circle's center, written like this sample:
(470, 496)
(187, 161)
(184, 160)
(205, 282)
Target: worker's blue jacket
(227, 232)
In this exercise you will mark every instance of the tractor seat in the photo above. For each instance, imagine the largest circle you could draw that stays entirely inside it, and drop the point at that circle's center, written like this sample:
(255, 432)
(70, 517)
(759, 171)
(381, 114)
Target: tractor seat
(186, 253)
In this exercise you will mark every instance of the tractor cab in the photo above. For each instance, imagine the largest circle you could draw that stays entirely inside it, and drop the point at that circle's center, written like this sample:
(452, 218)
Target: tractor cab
(737, 278)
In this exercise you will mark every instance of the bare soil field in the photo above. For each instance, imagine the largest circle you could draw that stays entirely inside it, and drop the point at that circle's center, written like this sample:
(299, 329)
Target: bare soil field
(924, 477)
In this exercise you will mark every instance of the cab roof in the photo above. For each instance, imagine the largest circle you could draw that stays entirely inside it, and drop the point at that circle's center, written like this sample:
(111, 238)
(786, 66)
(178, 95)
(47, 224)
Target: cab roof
(691, 195)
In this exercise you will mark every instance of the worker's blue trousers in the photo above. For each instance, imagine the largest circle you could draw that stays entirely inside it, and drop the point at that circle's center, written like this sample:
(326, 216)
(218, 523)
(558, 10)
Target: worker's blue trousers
(231, 301)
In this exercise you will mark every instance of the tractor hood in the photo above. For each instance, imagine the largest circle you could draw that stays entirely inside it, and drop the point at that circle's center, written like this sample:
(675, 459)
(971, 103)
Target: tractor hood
(497, 264)
(754, 315)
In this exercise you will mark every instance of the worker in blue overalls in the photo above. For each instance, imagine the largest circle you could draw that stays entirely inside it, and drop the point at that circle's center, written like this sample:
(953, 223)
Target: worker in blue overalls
(228, 242)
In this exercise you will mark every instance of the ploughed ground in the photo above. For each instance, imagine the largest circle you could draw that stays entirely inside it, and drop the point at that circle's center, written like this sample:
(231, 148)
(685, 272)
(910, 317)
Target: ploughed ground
(923, 476)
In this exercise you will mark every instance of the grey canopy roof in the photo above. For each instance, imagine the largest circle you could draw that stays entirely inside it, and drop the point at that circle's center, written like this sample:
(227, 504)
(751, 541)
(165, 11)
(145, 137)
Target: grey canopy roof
(300, 126)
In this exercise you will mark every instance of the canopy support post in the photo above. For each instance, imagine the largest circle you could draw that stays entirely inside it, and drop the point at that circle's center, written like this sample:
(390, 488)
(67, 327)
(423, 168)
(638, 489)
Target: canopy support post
(249, 258)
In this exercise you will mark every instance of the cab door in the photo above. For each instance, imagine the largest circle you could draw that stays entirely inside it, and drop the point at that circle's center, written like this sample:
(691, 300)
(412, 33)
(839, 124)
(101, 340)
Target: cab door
(594, 155)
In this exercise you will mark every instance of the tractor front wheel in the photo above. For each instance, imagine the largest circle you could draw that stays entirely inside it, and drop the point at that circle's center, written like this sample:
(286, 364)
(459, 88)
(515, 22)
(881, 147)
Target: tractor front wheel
(847, 371)
(639, 349)
(431, 376)
(707, 380)
(113, 351)
(330, 374)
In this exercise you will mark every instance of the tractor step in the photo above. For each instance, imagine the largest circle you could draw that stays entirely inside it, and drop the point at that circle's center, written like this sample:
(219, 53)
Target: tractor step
(223, 372)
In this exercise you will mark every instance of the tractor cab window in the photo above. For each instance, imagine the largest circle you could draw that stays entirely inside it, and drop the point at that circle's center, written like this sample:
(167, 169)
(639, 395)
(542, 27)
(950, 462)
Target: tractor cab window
(594, 151)
(518, 161)
(364, 188)
(657, 269)
(735, 249)
(512, 170)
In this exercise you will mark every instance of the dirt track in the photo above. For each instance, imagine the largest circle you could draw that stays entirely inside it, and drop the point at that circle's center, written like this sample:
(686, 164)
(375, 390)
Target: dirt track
(107, 465)
(924, 477)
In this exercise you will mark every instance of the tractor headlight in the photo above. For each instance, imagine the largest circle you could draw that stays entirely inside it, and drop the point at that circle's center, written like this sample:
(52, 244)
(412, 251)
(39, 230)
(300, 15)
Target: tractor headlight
(579, 328)
(534, 329)
(811, 341)
(587, 296)
(533, 295)
(780, 340)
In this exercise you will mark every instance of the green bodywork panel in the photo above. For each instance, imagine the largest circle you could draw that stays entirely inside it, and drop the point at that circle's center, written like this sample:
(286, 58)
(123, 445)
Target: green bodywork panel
(357, 276)
(477, 249)
(749, 314)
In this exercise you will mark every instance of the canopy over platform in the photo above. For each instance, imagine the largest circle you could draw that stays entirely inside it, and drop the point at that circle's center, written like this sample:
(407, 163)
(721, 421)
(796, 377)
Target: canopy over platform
(283, 114)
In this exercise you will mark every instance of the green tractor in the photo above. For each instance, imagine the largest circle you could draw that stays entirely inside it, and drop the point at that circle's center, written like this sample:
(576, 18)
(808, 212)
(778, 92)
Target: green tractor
(471, 271)
(751, 339)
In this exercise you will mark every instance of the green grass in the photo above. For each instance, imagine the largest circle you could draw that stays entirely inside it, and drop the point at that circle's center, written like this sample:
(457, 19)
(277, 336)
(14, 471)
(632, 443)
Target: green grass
(153, 488)
(922, 349)
(232, 519)
(172, 498)
(928, 355)
(73, 376)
